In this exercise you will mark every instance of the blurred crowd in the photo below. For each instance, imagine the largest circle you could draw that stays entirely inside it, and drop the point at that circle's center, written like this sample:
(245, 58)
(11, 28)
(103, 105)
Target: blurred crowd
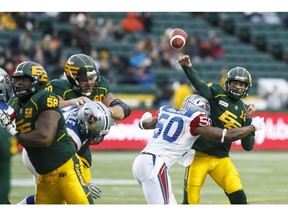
(39, 41)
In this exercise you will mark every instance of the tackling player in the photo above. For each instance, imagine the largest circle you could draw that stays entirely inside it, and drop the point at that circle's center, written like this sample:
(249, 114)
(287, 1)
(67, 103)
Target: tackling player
(228, 111)
(174, 135)
(84, 83)
(42, 132)
(87, 124)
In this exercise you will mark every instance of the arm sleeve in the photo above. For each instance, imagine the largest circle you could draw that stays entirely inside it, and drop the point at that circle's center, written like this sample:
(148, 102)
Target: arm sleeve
(199, 84)
(248, 142)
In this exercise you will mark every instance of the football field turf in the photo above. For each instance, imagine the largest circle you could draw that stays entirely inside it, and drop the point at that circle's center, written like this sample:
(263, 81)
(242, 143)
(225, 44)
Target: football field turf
(264, 176)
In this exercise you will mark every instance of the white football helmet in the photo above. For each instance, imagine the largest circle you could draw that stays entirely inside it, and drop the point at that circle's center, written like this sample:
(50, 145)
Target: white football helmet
(196, 102)
(5, 86)
(94, 121)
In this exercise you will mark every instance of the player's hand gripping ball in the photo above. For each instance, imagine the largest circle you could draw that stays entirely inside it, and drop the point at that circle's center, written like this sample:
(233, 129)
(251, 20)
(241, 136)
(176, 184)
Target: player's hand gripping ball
(178, 38)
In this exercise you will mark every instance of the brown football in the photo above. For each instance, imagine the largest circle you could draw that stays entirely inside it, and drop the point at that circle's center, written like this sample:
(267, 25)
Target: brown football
(178, 38)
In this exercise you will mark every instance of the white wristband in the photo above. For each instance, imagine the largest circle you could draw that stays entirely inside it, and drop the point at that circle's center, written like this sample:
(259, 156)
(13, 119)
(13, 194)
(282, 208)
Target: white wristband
(223, 135)
(140, 124)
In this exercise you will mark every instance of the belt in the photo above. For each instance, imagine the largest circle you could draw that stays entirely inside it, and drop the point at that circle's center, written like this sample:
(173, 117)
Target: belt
(148, 153)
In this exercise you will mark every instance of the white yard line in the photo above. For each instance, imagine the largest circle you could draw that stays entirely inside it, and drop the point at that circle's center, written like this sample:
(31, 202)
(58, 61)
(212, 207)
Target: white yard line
(29, 182)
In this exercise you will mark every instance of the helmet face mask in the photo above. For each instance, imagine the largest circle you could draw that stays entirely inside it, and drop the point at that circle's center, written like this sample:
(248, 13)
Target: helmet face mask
(94, 121)
(28, 78)
(196, 102)
(5, 86)
(240, 77)
(87, 84)
(81, 67)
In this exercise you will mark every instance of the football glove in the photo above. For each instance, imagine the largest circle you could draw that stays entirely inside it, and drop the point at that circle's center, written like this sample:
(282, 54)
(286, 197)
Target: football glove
(95, 191)
(146, 115)
(81, 101)
(258, 123)
(6, 122)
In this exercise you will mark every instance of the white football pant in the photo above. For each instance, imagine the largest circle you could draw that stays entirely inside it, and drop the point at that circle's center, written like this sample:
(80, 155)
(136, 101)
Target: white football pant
(151, 173)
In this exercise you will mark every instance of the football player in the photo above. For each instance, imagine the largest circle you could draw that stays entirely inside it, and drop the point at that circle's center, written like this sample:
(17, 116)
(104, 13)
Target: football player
(42, 132)
(228, 111)
(87, 124)
(84, 83)
(175, 133)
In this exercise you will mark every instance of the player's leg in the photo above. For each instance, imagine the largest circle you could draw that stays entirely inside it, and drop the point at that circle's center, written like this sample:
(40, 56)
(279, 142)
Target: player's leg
(71, 181)
(227, 177)
(154, 180)
(194, 178)
(66, 184)
(28, 200)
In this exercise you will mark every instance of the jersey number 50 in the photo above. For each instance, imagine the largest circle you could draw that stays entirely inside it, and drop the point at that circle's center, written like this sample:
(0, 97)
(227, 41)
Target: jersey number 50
(170, 134)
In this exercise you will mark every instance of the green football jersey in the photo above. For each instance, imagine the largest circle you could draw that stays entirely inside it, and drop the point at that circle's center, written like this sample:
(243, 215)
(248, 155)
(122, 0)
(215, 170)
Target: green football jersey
(225, 113)
(62, 88)
(44, 159)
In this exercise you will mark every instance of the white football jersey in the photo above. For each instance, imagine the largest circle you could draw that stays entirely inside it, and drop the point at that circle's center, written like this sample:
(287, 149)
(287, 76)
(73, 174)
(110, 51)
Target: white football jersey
(172, 139)
(70, 114)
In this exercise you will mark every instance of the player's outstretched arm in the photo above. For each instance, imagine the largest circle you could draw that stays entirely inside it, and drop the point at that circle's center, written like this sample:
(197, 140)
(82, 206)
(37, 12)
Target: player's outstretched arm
(214, 133)
(199, 84)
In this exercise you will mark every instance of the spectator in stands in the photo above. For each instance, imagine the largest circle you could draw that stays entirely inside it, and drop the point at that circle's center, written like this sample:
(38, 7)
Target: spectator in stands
(143, 75)
(25, 43)
(51, 49)
(8, 21)
(132, 24)
(23, 21)
(205, 51)
(118, 70)
(217, 50)
(38, 54)
(139, 55)
(147, 21)
(58, 72)
(107, 33)
(192, 47)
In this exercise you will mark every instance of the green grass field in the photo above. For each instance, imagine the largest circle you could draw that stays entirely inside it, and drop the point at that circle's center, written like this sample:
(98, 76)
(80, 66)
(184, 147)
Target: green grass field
(264, 176)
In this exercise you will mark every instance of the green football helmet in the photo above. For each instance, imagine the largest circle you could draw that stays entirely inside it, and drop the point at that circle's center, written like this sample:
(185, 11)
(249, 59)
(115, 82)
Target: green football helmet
(238, 74)
(5, 86)
(38, 79)
(81, 66)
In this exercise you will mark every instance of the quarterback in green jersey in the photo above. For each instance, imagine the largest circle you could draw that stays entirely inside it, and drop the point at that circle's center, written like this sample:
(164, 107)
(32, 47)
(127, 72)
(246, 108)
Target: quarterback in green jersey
(42, 132)
(84, 83)
(227, 111)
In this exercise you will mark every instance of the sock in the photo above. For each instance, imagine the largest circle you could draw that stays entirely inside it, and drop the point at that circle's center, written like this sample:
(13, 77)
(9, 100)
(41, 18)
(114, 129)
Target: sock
(28, 200)
(237, 197)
